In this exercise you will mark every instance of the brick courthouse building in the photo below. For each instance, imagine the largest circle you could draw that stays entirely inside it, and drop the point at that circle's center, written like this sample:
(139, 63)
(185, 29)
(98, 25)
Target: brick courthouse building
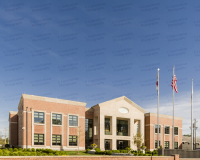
(43, 122)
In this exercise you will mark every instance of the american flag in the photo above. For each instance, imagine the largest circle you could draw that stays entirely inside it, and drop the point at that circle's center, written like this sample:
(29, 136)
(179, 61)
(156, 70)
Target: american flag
(175, 86)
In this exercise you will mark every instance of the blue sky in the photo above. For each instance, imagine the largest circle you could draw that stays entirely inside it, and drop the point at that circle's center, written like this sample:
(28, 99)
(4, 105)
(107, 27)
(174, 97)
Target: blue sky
(94, 51)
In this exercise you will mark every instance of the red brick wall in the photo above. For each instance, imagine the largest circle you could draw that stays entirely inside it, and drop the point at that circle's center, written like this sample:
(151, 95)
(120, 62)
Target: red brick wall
(13, 129)
(57, 130)
(150, 121)
(49, 107)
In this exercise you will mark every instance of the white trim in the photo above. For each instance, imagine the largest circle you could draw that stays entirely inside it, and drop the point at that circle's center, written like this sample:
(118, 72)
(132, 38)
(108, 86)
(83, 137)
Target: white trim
(38, 124)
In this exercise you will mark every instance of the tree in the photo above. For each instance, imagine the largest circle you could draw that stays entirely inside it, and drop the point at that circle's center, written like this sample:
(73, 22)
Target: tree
(80, 136)
(138, 139)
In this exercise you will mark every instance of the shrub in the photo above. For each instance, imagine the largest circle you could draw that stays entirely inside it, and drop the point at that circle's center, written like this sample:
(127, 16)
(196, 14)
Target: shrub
(155, 152)
(51, 154)
(57, 153)
(20, 149)
(11, 154)
(48, 151)
(39, 153)
(33, 149)
(33, 154)
(24, 149)
(28, 150)
(15, 150)
(25, 154)
(97, 149)
(15, 154)
(6, 154)
(7, 145)
(10, 149)
(108, 152)
(88, 150)
(38, 150)
(1, 152)
(123, 151)
(148, 152)
(115, 151)
(20, 153)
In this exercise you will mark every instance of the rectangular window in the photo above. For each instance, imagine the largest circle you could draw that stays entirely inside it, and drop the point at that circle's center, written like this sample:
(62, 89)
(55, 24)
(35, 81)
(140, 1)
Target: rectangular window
(73, 120)
(156, 144)
(57, 119)
(175, 130)
(38, 139)
(56, 140)
(156, 128)
(107, 126)
(122, 127)
(175, 145)
(166, 144)
(88, 132)
(167, 128)
(72, 140)
(38, 117)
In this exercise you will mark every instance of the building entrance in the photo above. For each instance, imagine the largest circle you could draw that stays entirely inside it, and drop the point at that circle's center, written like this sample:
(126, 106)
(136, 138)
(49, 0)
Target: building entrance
(107, 144)
(122, 144)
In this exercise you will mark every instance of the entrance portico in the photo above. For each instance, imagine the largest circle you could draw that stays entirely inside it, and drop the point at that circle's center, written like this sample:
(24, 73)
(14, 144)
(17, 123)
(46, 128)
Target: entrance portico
(115, 123)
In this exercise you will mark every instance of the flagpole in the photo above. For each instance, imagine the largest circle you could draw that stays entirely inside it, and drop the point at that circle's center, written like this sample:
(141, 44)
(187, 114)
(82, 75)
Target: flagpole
(158, 111)
(191, 116)
(173, 113)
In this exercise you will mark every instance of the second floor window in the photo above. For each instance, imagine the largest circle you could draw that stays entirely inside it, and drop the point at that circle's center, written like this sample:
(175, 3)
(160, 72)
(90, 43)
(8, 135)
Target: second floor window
(167, 129)
(57, 119)
(73, 120)
(38, 117)
(175, 130)
(156, 128)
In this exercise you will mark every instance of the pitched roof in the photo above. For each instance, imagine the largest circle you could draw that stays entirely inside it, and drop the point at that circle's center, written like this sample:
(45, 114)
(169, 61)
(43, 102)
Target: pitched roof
(122, 98)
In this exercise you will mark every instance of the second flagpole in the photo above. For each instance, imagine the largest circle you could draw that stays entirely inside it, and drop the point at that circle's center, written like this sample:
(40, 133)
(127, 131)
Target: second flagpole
(158, 128)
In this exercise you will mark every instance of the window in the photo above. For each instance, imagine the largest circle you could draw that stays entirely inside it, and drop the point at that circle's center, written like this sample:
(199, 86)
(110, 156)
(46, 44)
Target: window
(166, 144)
(122, 128)
(156, 144)
(38, 139)
(107, 126)
(72, 140)
(167, 128)
(175, 130)
(38, 117)
(56, 140)
(156, 128)
(137, 128)
(73, 120)
(175, 145)
(88, 132)
(57, 119)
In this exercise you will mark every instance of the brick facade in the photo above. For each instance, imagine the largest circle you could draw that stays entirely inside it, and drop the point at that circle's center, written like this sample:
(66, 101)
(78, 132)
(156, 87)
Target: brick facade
(164, 120)
(23, 127)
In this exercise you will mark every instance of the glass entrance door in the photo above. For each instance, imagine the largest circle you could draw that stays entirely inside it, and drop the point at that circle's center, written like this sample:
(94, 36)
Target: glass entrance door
(107, 144)
(122, 144)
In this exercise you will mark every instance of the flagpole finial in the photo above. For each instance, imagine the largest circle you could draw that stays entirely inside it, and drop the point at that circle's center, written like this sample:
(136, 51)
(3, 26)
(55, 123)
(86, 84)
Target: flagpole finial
(192, 79)
(173, 66)
(158, 69)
